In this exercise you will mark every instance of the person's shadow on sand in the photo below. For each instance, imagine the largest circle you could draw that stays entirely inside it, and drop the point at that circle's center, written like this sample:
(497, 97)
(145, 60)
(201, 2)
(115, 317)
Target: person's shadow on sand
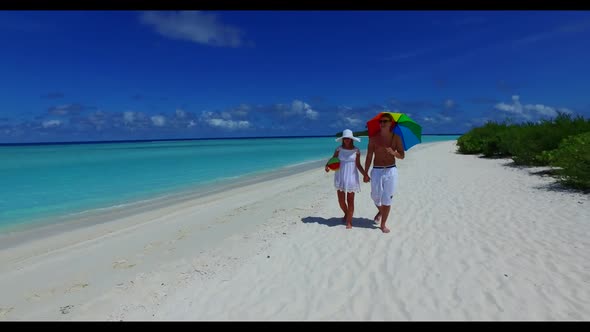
(332, 222)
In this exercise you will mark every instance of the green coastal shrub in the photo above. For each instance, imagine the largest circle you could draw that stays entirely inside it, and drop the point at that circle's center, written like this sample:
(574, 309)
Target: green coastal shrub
(532, 139)
(561, 142)
(573, 158)
(480, 140)
(500, 144)
(525, 142)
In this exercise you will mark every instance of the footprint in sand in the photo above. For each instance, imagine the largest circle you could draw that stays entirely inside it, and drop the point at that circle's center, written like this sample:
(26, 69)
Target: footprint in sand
(122, 264)
(34, 297)
(39, 295)
(77, 287)
(152, 245)
(66, 309)
(5, 311)
(181, 234)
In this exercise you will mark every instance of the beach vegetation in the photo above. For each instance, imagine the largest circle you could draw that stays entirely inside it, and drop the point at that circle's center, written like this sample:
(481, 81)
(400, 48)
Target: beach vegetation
(355, 133)
(572, 160)
(562, 142)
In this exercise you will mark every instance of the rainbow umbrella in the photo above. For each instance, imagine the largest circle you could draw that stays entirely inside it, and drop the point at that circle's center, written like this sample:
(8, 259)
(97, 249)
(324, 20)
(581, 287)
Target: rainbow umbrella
(404, 126)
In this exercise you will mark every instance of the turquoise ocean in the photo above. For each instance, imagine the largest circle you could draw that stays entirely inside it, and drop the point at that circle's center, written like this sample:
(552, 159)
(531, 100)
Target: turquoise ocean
(41, 182)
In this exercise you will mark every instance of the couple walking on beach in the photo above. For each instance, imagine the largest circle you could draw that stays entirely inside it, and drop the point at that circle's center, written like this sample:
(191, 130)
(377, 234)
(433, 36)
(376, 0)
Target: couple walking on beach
(383, 149)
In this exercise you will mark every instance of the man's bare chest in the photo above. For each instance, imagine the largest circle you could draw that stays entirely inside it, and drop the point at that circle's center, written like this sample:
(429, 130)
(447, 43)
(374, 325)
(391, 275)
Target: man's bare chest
(384, 143)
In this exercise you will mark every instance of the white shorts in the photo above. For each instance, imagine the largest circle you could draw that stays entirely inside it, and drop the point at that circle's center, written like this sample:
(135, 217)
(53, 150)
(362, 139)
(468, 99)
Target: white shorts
(383, 184)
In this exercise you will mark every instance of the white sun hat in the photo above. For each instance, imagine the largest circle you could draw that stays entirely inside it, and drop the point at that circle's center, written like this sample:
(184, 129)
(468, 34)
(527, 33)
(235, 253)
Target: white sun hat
(347, 133)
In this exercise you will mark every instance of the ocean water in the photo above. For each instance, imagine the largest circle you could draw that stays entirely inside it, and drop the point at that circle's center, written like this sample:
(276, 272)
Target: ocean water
(40, 182)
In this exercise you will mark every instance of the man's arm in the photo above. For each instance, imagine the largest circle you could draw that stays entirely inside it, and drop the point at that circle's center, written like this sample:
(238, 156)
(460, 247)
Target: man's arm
(399, 147)
(370, 152)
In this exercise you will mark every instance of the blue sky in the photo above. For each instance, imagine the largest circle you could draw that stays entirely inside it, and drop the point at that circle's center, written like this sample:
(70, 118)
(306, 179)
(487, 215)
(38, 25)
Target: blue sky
(111, 75)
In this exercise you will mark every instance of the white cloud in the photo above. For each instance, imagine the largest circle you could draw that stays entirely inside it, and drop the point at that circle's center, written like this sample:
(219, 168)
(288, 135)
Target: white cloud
(346, 117)
(240, 113)
(438, 118)
(51, 123)
(128, 117)
(353, 122)
(477, 122)
(504, 107)
(207, 114)
(225, 116)
(140, 116)
(180, 114)
(299, 107)
(228, 124)
(311, 114)
(158, 120)
(194, 26)
(191, 123)
(98, 119)
(529, 111)
(449, 103)
(516, 106)
(541, 109)
(242, 110)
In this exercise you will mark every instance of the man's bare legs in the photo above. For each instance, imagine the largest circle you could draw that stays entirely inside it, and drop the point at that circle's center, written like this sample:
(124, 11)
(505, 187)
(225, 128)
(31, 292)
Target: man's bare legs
(377, 218)
(350, 213)
(342, 202)
(384, 211)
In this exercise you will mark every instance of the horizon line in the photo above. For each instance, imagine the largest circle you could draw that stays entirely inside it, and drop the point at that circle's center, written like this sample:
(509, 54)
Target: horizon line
(176, 139)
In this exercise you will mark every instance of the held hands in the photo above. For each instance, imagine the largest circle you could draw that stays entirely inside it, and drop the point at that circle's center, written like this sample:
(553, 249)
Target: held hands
(366, 178)
(327, 169)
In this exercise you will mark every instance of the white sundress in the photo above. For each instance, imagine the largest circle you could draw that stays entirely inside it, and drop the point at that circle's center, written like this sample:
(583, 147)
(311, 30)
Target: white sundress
(347, 177)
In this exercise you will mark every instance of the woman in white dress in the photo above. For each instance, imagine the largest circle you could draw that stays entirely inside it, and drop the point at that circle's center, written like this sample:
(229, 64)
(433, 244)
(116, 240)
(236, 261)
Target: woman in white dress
(346, 179)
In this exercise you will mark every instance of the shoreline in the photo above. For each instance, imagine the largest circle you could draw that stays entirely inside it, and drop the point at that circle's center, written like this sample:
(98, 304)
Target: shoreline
(84, 255)
(44, 227)
(471, 239)
(118, 208)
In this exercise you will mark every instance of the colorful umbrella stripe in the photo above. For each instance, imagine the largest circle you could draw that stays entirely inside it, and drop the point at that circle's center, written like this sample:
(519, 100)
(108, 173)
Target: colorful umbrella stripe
(409, 131)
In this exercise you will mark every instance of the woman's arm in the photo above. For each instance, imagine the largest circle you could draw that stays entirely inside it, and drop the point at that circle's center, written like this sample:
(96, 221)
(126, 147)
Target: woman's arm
(358, 163)
(333, 156)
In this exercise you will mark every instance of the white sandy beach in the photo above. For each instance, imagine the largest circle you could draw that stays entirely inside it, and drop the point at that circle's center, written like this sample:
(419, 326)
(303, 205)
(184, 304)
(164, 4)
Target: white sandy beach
(471, 239)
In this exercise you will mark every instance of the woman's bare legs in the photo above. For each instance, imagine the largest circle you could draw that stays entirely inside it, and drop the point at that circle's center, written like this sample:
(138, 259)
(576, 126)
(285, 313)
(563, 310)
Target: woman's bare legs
(350, 213)
(342, 202)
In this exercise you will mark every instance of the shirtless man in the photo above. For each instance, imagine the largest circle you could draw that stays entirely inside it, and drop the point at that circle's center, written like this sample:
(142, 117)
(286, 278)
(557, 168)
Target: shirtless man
(386, 146)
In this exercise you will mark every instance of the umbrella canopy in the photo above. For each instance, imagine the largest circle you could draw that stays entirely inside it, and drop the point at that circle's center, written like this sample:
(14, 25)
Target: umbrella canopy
(409, 131)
